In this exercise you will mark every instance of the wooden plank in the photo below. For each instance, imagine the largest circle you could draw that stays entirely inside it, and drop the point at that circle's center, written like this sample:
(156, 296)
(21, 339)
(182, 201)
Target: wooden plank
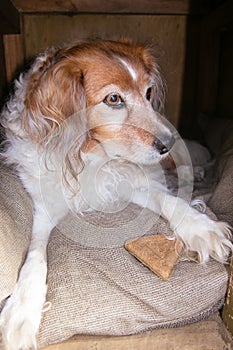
(225, 91)
(187, 122)
(2, 72)
(13, 51)
(117, 6)
(208, 71)
(228, 307)
(204, 335)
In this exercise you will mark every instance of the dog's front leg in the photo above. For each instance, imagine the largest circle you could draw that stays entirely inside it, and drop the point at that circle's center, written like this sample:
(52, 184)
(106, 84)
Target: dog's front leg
(21, 315)
(198, 232)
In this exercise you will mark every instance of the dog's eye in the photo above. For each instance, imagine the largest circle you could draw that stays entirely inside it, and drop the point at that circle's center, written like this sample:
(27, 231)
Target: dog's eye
(114, 100)
(149, 93)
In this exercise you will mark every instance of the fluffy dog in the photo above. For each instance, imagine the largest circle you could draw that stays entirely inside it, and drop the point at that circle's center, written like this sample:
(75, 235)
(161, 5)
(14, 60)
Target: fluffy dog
(82, 120)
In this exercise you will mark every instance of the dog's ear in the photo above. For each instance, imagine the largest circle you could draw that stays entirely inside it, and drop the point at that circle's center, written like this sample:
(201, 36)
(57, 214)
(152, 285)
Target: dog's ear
(150, 62)
(54, 93)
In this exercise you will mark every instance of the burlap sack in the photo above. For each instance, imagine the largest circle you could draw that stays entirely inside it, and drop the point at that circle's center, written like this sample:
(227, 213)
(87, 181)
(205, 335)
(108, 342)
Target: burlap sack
(221, 201)
(15, 229)
(94, 285)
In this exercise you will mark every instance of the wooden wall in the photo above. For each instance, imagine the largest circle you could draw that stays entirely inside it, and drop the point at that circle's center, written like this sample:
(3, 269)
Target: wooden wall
(224, 103)
(215, 62)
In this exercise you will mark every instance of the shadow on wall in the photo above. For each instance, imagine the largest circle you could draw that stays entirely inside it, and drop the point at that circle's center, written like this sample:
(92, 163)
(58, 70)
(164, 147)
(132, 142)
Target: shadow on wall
(208, 74)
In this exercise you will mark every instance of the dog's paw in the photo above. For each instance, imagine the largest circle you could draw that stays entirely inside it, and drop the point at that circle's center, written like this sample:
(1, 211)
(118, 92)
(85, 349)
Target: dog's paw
(206, 237)
(18, 334)
(20, 320)
(19, 326)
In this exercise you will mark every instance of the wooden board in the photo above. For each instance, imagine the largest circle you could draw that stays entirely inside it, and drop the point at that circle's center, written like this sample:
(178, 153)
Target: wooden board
(167, 33)
(205, 335)
(14, 57)
(117, 6)
(228, 307)
(2, 71)
(225, 92)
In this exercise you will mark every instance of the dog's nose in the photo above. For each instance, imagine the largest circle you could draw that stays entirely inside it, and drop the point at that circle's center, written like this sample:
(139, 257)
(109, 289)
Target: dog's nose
(163, 147)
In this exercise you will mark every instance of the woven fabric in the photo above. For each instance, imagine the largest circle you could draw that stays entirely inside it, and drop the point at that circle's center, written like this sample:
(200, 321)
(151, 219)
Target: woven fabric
(94, 285)
(221, 201)
(15, 229)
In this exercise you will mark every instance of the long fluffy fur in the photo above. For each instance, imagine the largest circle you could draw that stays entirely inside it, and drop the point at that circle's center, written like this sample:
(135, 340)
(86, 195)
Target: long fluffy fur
(83, 119)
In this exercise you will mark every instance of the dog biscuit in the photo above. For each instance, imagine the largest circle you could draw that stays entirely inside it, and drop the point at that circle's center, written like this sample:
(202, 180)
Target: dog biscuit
(160, 253)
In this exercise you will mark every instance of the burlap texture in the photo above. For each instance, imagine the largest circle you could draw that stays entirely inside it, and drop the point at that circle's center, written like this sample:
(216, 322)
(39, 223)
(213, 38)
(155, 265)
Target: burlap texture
(15, 229)
(94, 285)
(221, 201)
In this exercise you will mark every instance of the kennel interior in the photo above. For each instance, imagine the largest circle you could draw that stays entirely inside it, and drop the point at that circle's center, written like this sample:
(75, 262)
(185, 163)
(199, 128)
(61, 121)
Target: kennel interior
(194, 44)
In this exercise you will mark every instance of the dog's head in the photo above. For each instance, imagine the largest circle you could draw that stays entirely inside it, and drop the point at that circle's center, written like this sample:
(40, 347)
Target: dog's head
(118, 88)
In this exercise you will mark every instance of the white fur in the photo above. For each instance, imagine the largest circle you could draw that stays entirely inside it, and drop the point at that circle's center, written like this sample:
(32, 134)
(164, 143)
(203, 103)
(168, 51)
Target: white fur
(130, 69)
(103, 184)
